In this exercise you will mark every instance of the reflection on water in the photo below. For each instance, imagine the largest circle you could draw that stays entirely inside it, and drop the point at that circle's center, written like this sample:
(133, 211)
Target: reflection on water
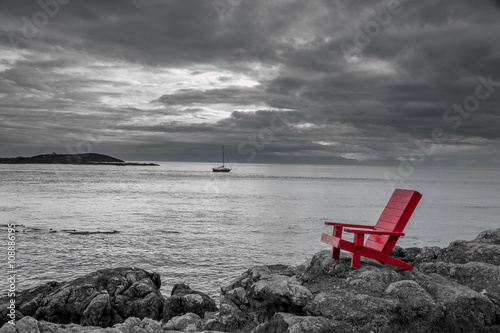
(204, 228)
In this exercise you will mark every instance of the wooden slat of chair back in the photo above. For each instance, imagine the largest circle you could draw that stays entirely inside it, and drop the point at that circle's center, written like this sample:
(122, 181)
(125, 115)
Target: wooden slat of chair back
(394, 218)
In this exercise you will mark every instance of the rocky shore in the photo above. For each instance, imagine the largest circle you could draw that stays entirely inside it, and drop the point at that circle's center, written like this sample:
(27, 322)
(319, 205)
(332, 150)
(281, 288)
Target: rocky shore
(452, 289)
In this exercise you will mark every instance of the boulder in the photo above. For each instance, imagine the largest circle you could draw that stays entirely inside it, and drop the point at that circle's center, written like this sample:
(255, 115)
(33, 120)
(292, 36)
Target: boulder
(102, 299)
(26, 324)
(189, 322)
(489, 237)
(380, 297)
(131, 325)
(185, 300)
(327, 294)
(229, 318)
(462, 252)
(414, 302)
(258, 294)
(289, 323)
(484, 248)
(481, 277)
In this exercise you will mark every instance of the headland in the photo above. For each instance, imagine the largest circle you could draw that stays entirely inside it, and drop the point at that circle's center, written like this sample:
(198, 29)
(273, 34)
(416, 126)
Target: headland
(89, 159)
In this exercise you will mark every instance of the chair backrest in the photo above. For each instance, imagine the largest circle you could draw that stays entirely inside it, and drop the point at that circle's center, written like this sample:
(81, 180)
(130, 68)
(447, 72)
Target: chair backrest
(394, 218)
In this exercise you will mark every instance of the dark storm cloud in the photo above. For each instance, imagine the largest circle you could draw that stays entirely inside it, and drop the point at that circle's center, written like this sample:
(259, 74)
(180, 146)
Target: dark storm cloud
(154, 68)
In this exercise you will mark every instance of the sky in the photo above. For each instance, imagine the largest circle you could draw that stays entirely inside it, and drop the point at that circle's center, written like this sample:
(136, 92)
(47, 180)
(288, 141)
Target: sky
(274, 81)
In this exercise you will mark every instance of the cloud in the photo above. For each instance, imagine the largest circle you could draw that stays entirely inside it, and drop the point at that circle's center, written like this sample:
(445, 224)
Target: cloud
(188, 76)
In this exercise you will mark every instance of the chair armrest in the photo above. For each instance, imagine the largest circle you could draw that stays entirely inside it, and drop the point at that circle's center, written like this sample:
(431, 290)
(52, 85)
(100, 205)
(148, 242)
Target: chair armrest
(350, 225)
(375, 232)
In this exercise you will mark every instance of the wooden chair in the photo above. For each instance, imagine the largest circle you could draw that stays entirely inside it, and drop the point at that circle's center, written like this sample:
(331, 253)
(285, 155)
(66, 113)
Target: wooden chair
(383, 236)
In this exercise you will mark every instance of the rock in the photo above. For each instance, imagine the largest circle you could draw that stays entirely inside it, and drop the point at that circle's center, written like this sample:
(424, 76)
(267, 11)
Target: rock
(131, 325)
(24, 325)
(489, 237)
(189, 322)
(463, 308)
(229, 318)
(151, 325)
(454, 289)
(480, 277)
(484, 248)
(322, 264)
(258, 294)
(327, 294)
(380, 297)
(184, 300)
(414, 255)
(352, 307)
(98, 309)
(141, 299)
(289, 323)
(462, 252)
(8, 328)
(415, 303)
(103, 298)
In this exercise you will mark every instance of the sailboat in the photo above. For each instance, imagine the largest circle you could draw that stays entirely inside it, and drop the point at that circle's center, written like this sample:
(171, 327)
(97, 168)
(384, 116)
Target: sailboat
(223, 167)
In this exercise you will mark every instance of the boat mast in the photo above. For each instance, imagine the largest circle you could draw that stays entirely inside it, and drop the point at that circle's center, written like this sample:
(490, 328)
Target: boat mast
(222, 155)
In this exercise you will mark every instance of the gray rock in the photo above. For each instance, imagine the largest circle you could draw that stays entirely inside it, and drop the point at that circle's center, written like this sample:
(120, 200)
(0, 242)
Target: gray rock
(189, 322)
(230, 318)
(484, 248)
(380, 297)
(8, 328)
(151, 325)
(258, 294)
(103, 298)
(454, 289)
(24, 325)
(185, 300)
(289, 323)
(462, 307)
(415, 303)
(131, 325)
(481, 277)
(489, 236)
(352, 307)
(462, 252)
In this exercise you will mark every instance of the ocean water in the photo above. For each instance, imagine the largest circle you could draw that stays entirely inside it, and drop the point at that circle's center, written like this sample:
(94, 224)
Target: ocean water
(203, 228)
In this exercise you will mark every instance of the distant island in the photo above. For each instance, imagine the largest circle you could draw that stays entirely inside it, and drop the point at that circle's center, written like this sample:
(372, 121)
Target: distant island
(90, 158)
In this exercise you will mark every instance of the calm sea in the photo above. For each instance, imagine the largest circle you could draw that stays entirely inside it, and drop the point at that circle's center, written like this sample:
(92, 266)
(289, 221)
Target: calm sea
(203, 228)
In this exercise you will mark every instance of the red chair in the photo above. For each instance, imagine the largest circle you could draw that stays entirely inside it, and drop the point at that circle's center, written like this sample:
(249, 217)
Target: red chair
(383, 236)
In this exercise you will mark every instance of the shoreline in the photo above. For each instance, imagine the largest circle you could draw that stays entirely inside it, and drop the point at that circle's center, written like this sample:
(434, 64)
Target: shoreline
(450, 289)
(72, 159)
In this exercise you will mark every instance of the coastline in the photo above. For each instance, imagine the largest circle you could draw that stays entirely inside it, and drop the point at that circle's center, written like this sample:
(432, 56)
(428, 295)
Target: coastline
(451, 289)
(85, 159)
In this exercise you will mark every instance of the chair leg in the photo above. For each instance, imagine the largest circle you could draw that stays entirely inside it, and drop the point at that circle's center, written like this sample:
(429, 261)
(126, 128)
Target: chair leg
(337, 232)
(359, 240)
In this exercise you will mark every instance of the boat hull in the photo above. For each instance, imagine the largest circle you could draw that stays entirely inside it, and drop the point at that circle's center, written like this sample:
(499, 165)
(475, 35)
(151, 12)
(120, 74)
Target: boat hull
(221, 169)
